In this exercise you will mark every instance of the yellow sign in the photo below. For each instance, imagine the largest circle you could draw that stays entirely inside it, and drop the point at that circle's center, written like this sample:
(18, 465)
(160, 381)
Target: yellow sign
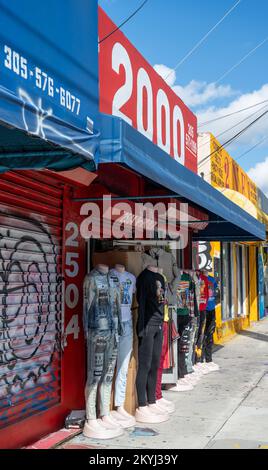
(230, 178)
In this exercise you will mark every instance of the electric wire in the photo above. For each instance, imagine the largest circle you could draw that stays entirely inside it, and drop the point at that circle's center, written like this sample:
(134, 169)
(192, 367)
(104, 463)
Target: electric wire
(231, 114)
(232, 139)
(124, 22)
(240, 61)
(235, 125)
(203, 39)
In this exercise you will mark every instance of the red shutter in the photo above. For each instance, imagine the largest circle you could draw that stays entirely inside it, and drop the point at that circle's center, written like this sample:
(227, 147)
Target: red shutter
(31, 211)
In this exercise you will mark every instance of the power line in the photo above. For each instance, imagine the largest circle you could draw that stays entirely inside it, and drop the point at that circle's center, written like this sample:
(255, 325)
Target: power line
(232, 139)
(231, 114)
(242, 155)
(203, 39)
(237, 124)
(123, 23)
(242, 60)
(251, 148)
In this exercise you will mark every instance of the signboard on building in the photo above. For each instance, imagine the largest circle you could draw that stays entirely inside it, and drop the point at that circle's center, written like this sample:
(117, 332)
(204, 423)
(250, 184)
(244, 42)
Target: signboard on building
(131, 89)
(226, 174)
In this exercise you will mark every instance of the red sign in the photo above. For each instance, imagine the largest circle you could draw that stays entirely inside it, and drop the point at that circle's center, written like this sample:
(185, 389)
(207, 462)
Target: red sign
(131, 89)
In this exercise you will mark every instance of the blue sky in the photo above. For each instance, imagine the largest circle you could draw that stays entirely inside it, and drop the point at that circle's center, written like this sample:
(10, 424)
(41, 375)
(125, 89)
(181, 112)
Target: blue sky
(164, 31)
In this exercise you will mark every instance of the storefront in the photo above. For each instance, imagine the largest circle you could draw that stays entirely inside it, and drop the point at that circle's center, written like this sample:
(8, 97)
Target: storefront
(57, 154)
(48, 144)
(241, 266)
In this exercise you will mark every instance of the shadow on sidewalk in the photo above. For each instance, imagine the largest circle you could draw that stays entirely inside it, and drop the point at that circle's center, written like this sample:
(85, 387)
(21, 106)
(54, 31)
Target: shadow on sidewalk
(253, 335)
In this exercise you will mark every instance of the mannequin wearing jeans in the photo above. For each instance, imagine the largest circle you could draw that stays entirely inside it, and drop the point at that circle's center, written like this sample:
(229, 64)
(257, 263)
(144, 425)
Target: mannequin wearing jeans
(127, 283)
(151, 298)
(102, 322)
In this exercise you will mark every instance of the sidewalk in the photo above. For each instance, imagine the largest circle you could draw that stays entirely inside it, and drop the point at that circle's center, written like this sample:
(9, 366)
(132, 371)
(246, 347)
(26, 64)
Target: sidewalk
(227, 409)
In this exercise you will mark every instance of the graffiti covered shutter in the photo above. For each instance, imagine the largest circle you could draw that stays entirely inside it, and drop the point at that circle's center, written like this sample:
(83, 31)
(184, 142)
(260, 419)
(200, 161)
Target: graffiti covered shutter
(30, 294)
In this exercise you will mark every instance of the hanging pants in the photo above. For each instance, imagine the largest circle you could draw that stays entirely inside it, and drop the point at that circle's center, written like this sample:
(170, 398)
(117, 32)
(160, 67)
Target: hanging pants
(125, 347)
(102, 347)
(158, 392)
(184, 324)
(208, 335)
(150, 347)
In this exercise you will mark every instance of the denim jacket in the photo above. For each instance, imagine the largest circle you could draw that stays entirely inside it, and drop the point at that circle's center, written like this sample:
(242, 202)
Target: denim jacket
(102, 308)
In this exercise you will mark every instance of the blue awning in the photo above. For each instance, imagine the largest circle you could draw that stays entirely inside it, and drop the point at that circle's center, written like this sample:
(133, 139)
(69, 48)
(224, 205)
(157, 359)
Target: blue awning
(48, 85)
(122, 144)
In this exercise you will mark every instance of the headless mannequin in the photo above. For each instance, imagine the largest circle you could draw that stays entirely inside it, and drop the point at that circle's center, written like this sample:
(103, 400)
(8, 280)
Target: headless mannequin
(166, 405)
(152, 413)
(106, 427)
(121, 415)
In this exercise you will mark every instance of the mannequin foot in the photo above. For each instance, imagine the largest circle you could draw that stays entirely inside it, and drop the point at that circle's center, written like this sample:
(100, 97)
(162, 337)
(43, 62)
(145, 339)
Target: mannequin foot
(125, 420)
(110, 423)
(158, 409)
(166, 405)
(145, 415)
(95, 429)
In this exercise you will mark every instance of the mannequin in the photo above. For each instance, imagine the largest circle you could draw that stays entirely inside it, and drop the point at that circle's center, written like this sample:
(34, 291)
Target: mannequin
(160, 400)
(210, 324)
(151, 298)
(127, 283)
(186, 311)
(102, 322)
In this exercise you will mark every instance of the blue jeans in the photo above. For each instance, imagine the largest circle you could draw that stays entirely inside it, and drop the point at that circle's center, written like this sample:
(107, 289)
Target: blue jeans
(125, 347)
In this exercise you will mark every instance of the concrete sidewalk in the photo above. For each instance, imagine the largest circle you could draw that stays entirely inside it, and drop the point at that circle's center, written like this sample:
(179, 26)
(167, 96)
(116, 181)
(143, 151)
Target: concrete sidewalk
(226, 409)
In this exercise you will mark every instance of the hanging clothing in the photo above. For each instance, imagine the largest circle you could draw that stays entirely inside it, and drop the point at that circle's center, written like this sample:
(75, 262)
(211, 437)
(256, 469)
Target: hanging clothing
(212, 288)
(186, 297)
(102, 309)
(203, 292)
(151, 300)
(164, 351)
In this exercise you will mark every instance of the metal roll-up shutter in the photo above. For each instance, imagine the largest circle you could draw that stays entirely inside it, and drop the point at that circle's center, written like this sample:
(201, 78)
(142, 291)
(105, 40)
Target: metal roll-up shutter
(30, 294)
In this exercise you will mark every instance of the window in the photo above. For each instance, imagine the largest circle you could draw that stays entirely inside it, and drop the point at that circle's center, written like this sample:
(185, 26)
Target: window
(227, 290)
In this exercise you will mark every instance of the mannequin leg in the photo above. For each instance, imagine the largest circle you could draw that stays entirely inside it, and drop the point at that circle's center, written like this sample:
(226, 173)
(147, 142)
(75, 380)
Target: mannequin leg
(208, 336)
(145, 353)
(201, 332)
(106, 381)
(125, 347)
(152, 375)
(189, 354)
(95, 354)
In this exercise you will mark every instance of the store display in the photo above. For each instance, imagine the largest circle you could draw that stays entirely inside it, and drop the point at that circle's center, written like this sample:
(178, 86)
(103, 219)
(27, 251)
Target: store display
(102, 322)
(151, 300)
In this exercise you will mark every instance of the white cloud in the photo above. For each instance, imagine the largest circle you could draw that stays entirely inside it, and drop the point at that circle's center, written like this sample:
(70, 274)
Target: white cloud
(199, 93)
(253, 134)
(169, 75)
(195, 93)
(259, 175)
